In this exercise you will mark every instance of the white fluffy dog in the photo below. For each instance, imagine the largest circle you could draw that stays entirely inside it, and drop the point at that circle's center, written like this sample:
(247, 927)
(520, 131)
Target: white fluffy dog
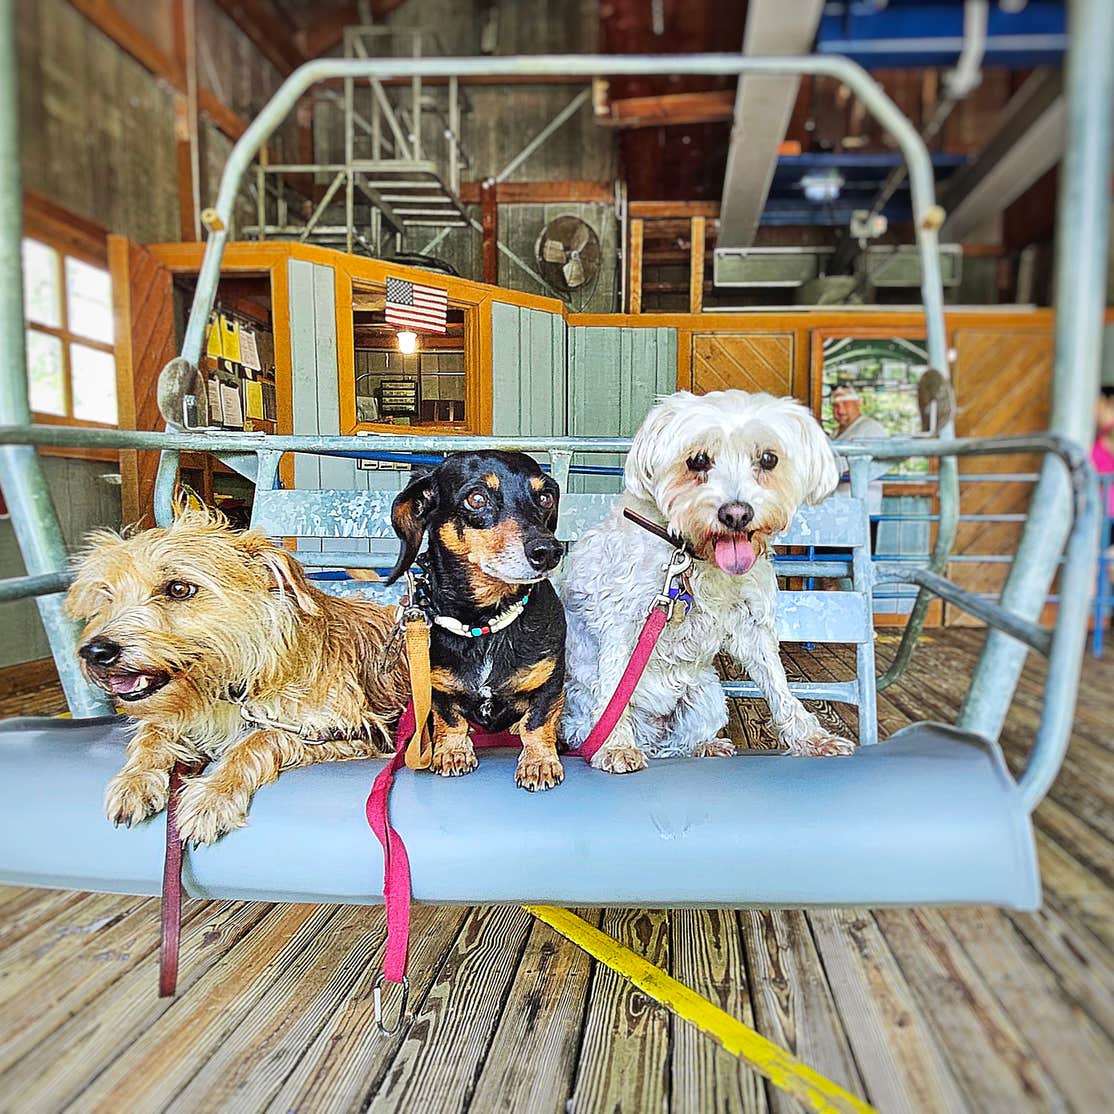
(722, 471)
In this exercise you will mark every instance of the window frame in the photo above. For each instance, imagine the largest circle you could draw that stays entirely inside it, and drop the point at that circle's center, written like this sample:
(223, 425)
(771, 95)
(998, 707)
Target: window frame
(69, 236)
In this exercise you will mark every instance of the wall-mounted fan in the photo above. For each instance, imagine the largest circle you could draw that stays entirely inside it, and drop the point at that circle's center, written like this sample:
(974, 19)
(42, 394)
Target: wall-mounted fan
(568, 252)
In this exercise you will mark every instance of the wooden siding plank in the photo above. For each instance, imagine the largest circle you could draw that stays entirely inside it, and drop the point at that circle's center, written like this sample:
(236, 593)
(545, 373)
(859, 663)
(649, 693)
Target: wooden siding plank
(624, 1057)
(57, 1072)
(1066, 1042)
(506, 417)
(303, 377)
(792, 1000)
(345, 1063)
(993, 1062)
(707, 955)
(449, 1039)
(531, 1062)
(902, 1066)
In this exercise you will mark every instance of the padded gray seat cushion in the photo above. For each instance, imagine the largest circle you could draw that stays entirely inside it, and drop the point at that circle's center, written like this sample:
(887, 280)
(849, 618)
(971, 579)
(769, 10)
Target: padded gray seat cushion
(932, 816)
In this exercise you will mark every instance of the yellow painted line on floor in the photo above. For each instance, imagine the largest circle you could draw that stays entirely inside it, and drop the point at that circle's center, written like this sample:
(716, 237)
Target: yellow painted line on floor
(781, 1068)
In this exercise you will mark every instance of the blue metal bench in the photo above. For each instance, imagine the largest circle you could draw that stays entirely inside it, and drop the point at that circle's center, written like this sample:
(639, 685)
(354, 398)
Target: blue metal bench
(762, 829)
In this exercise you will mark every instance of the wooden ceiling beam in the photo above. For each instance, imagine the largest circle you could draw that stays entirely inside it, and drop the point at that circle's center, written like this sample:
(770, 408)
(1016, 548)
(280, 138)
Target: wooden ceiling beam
(670, 108)
(542, 193)
(268, 30)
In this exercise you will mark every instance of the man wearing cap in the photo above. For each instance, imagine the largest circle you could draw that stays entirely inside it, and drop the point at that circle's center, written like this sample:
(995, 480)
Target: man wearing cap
(854, 425)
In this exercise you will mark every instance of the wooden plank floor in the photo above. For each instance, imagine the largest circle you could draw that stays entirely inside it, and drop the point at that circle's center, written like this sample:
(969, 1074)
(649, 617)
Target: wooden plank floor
(915, 1010)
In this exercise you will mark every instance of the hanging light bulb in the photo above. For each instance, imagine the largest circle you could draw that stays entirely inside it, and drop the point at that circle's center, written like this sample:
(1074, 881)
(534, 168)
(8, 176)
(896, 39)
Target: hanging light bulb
(407, 342)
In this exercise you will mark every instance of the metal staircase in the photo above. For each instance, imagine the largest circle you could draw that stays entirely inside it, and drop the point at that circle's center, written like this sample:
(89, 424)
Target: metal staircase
(400, 167)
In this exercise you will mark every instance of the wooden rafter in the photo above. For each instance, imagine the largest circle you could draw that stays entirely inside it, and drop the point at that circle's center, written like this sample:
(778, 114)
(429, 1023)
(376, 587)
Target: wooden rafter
(132, 41)
(268, 31)
(541, 193)
(328, 32)
(670, 108)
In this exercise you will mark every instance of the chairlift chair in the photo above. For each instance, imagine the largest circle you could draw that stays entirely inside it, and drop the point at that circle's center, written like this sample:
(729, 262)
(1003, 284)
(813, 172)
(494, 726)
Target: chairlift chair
(930, 816)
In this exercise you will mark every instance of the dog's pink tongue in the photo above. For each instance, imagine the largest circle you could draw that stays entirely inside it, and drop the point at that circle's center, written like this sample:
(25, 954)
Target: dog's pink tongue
(735, 555)
(127, 682)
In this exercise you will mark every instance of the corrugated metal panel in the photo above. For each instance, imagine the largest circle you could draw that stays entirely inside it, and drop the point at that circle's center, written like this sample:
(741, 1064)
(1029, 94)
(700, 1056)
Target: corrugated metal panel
(615, 374)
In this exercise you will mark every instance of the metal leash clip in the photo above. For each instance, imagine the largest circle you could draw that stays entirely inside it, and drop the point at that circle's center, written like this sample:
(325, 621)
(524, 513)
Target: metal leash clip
(667, 599)
(377, 1003)
(407, 611)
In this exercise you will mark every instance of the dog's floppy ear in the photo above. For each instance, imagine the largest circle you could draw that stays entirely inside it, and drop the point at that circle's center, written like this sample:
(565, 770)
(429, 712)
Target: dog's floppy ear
(649, 441)
(288, 575)
(84, 597)
(410, 515)
(818, 468)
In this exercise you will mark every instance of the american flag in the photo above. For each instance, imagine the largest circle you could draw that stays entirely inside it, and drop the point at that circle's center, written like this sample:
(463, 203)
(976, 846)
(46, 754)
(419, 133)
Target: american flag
(410, 306)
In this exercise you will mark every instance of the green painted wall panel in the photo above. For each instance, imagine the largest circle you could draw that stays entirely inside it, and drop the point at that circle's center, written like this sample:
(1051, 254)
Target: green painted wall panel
(615, 374)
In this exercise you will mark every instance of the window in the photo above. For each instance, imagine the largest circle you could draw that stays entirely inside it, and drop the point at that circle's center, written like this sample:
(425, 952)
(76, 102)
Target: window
(71, 364)
(885, 372)
(423, 383)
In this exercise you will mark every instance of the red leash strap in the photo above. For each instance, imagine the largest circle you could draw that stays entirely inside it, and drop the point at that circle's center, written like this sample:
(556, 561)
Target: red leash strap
(171, 929)
(396, 875)
(647, 640)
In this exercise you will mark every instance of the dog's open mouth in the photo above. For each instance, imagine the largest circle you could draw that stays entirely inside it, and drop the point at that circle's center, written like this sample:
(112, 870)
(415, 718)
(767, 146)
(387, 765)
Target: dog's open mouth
(734, 553)
(130, 686)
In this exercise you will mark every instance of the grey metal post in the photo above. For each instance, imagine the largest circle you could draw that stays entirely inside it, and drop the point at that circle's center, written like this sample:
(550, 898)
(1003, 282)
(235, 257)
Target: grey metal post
(34, 518)
(350, 177)
(416, 101)
(1081, 245)
(862, 575)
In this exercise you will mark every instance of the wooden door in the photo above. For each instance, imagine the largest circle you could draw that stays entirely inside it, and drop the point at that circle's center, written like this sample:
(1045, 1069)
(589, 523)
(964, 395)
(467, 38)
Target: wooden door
(1003, 386)
(143, 307)
(746, 361)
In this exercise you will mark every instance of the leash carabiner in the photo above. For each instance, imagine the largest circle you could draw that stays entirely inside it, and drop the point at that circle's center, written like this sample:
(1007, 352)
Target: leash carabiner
(377, 1003)
(680, 561)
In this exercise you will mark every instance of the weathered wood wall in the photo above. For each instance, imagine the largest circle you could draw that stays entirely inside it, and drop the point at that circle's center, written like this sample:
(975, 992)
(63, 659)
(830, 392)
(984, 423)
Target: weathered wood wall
(97, 130)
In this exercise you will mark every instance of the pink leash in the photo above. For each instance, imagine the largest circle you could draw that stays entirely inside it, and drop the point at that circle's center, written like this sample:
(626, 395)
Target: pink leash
(396, 865)
(647, 640)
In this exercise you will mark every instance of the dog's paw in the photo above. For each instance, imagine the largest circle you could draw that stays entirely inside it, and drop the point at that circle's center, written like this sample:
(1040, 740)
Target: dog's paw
(133, 796)
(538, 772)
(824, 746)
(623, 759)
(204, 814)
(715, 748)
(454, 761)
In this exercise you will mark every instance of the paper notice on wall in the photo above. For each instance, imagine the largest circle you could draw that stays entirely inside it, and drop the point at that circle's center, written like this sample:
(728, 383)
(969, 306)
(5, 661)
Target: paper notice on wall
(253, 399)
(230, 338)
(212, 339)
(230, 401)
(216, 410)
(249, 353)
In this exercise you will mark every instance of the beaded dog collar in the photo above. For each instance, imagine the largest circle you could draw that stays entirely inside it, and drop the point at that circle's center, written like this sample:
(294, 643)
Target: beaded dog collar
(503, 619)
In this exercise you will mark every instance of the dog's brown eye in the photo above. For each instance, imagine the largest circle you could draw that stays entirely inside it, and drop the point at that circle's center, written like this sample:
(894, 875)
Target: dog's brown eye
(546, 500)
(475, 500)
(179, 590)
(699, 462)
(767, 461)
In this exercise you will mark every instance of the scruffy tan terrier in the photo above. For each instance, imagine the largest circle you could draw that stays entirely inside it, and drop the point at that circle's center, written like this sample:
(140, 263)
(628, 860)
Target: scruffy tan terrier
(223, 651)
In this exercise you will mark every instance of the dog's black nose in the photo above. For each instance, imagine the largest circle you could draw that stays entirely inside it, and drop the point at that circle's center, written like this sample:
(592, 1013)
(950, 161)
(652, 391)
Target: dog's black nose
(544, 553)
(101, 652)
(735, 516)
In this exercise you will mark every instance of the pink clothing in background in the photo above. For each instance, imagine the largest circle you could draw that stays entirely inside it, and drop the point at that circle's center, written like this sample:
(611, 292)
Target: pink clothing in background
(1103, 460)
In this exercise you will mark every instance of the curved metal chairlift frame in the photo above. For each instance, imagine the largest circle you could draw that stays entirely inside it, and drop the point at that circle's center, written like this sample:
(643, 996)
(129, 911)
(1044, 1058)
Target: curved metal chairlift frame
(40, 540)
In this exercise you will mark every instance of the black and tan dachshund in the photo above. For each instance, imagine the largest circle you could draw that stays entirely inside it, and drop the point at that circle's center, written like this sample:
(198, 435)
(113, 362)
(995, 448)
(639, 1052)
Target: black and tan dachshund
(497, 644)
